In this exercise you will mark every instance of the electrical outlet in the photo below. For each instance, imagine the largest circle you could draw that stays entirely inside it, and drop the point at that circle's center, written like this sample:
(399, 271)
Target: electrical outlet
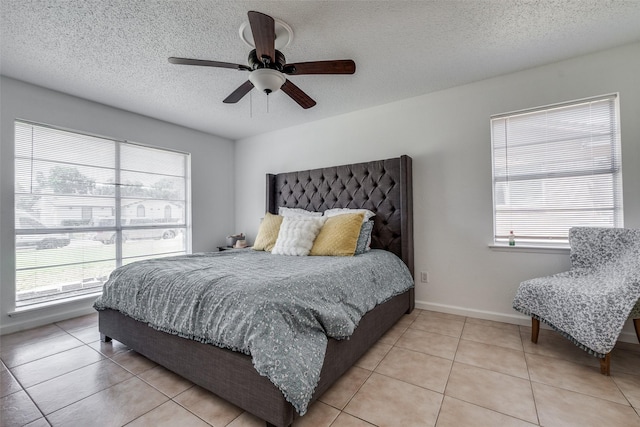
(424, 277)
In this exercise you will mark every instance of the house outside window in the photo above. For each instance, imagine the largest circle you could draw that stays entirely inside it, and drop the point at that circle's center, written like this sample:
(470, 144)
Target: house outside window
(554, 168)
(77, 200)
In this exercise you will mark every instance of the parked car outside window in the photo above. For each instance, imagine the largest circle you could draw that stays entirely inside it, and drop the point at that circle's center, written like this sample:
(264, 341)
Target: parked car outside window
(108, 237)
(40, 240)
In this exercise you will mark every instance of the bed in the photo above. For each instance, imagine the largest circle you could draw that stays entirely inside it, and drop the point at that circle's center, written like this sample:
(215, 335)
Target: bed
(382, 186)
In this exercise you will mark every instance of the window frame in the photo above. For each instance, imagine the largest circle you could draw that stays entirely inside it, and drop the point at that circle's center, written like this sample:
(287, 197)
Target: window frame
(185, 228)
(554, 243)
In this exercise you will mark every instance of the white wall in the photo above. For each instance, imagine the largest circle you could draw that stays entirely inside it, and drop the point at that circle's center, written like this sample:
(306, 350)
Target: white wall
(211, 176)
(447, 133)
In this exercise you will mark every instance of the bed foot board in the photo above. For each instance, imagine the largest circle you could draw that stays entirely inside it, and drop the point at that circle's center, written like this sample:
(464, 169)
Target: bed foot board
(105, 338)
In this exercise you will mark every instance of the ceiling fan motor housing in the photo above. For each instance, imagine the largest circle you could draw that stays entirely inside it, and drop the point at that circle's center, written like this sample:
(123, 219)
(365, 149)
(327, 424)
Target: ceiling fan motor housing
(255, 62)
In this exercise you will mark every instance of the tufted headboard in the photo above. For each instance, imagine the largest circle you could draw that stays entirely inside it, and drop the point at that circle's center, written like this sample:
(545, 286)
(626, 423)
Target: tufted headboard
(382, 186)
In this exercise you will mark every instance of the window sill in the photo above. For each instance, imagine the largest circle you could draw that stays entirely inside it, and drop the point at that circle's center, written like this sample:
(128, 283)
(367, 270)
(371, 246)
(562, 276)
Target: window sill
(21, 311)
(536, 249)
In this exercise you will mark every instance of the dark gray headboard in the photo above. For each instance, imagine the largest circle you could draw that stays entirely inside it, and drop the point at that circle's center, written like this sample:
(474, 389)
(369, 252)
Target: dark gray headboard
(382, 186)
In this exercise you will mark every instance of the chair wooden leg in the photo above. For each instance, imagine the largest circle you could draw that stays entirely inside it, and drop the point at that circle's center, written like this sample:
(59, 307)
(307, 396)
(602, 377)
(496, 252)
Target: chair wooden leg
(636, 324)
(605, 365)
(535, 330)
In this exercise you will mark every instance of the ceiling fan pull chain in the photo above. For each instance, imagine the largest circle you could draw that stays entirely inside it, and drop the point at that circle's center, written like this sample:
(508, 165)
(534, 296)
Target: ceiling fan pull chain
(267, 103)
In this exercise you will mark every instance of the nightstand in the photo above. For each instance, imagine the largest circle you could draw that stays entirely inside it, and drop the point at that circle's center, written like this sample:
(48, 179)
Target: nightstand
(231, 248)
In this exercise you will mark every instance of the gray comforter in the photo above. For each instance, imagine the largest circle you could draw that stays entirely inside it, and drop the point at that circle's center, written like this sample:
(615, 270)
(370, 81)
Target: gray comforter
(278, 309)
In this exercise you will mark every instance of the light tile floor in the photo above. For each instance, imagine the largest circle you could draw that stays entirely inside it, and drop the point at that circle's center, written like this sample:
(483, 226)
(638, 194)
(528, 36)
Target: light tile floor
(430, 369)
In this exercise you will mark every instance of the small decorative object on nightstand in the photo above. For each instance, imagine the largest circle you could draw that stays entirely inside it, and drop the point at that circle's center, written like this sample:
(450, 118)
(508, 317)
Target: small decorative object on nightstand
(233, 239)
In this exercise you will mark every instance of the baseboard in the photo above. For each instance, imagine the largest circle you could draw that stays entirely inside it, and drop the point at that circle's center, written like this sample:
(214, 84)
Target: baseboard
(516, 319)
(45, 319)
(629, 337)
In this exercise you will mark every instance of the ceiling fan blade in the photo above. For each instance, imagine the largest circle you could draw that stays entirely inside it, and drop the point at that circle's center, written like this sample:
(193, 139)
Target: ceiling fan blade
(188, 61)
(237, 94)
(298, 95)
(264, 35)
(340, 66)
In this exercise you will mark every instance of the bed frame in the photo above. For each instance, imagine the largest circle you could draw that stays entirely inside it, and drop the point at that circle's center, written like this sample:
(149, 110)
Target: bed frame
(382, 186)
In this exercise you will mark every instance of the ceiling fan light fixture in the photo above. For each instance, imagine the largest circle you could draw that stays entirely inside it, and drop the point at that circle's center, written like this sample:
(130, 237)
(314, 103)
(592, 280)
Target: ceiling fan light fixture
(267, 80)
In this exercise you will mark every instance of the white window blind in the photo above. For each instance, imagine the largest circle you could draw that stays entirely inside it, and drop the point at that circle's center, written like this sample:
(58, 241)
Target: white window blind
(556, 167)
(85, 205)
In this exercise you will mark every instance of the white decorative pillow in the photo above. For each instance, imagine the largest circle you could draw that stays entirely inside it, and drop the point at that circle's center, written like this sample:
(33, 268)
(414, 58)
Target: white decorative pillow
(296, 212)
(297, 234)
(340, 211)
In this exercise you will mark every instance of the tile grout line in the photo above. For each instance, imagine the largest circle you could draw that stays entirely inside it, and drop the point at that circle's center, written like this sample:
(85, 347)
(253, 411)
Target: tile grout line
(490, 370)
(30, 398)
(188, 410)
(152, 409)
(54, 354)
(49, 355)
(73, 370)
(613, 378)
(533, 395)
(104, 358)
(100, 391)
(368, 376)
(455, 353)
(584, 394)
(230, 422)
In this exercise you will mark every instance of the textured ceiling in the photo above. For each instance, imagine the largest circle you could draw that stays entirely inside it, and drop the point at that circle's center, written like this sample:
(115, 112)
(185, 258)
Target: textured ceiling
(115, 51)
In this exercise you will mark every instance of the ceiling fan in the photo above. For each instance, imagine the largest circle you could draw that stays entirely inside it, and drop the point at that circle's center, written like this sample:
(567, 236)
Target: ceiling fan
(268, 67)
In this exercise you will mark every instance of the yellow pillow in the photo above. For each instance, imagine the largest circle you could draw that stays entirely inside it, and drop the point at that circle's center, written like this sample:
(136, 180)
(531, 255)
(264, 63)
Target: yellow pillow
(338, 236)
(268, 232)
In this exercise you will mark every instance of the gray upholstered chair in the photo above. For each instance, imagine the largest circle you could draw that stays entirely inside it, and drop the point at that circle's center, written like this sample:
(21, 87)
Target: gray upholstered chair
(590, 303)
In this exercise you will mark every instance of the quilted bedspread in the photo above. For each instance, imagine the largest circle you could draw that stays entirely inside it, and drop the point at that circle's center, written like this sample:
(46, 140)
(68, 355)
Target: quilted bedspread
(590, 303)
(277, 309)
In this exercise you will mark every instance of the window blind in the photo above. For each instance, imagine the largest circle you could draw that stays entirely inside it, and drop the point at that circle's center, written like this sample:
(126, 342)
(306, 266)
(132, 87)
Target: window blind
(556, 167)
(85, 205)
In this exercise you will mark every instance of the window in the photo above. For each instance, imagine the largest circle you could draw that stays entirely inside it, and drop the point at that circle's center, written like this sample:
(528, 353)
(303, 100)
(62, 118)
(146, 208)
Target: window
(554, 168)
(78, 200)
